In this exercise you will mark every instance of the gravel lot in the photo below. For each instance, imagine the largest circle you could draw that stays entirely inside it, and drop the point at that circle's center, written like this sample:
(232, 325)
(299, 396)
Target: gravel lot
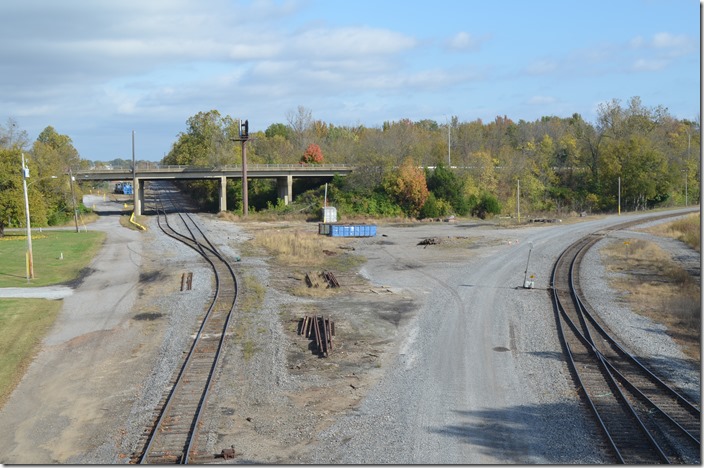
(440, 356)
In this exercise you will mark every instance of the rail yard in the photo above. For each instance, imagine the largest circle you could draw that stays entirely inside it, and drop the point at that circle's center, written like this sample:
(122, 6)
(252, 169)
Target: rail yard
(440, 355)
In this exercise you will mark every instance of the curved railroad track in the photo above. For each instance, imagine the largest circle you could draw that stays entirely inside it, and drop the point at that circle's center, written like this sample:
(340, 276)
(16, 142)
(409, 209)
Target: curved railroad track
(173, 435)
(643, 419)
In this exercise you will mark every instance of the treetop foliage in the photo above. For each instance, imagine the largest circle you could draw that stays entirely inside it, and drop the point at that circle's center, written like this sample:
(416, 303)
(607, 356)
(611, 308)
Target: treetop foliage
(563, 164)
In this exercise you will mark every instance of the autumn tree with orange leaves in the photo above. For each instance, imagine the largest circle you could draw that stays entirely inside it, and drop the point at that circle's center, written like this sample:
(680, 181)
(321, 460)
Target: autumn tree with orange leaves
(313, 155)
(408, 186)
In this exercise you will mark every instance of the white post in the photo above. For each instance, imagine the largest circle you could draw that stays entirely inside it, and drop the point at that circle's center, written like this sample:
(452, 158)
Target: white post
(619, 196)
(30, 260)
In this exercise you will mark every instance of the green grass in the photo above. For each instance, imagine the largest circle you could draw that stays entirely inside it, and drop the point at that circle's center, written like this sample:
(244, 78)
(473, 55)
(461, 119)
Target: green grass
(78, 249)
(23, 324)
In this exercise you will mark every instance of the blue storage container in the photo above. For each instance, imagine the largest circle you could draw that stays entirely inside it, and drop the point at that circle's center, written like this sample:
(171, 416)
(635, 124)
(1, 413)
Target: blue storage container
(347, 230)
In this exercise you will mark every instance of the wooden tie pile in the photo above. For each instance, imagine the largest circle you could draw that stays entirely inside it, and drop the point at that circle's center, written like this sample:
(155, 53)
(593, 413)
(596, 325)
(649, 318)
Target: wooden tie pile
(316, 280)
(320, 330)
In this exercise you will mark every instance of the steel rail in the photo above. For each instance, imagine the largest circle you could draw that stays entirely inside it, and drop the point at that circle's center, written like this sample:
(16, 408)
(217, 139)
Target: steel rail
(206, 252)
(640, 402)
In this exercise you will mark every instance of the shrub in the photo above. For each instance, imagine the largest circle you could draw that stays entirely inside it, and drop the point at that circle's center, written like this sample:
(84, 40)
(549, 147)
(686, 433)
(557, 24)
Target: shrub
(488, 204)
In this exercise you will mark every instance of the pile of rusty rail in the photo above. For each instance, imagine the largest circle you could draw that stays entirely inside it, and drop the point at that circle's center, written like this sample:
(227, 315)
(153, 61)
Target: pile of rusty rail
(315, 280)
(320, 330)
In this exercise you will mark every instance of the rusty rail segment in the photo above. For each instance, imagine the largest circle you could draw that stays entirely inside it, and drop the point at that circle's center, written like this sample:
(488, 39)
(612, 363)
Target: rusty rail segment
(643, 420)
(173, 436)
(319, 329)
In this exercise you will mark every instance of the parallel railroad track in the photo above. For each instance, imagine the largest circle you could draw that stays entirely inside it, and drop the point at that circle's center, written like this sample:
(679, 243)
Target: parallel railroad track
(643, 419)
(173, 437)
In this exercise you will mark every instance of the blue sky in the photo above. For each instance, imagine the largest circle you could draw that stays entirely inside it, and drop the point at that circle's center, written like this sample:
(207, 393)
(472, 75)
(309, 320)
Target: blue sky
(98, 70)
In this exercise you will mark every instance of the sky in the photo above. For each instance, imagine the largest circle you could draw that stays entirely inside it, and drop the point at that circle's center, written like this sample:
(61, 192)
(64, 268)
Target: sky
(99, 70)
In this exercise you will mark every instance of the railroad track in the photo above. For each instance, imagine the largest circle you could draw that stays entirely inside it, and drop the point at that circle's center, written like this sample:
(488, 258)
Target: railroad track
(643, 419)
(173, 435)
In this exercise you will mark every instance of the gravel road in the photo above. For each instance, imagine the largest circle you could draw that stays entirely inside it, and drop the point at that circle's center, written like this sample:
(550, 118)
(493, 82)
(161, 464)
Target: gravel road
(479, 377)
(465, 365)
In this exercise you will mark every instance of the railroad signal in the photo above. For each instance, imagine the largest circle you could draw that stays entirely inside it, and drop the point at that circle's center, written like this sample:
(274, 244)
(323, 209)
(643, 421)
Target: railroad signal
(244, 130)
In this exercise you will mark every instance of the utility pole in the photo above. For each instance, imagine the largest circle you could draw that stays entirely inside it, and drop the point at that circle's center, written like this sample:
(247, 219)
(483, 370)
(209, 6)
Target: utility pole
(449, 161)
(30, 260)
(244, 136)
(73, 198)
(518, 201)
(135, 186)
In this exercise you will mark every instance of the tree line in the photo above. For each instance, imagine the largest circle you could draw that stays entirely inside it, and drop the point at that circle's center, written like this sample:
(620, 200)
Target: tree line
(51, 158)
(428, 169)
(415, 169)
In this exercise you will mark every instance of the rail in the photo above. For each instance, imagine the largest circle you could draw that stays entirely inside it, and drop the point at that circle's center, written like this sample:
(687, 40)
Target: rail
(642, 418)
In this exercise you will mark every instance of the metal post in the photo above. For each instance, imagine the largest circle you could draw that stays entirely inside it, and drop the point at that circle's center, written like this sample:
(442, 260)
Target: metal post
(136, 200)
(686, 194)
(245, 198)
(30, 259)
(527, 285)
(518, 201)
(73, 198)
(619, 196)
(449, 161)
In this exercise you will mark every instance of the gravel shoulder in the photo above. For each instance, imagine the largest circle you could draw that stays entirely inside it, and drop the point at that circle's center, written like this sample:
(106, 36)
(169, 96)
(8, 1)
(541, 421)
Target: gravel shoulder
(441, 356)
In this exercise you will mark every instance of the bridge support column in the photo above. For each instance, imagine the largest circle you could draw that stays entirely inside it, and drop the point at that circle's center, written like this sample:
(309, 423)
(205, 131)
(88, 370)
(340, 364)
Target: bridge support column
(223, 193)
(138, 194)
(284, 188)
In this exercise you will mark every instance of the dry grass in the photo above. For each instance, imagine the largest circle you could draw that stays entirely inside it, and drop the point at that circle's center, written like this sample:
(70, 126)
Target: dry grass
(687, 229)
(301, 251)
(659, 289)
(296, 247)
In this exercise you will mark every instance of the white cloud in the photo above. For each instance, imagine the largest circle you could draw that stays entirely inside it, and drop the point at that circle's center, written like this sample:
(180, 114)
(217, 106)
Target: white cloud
(669, 41)
(349, 42)
(464, 41)
(649, 65)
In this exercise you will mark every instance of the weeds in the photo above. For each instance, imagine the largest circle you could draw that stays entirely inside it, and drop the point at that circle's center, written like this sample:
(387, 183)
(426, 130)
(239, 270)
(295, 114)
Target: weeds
(687, 230)
(659, 289)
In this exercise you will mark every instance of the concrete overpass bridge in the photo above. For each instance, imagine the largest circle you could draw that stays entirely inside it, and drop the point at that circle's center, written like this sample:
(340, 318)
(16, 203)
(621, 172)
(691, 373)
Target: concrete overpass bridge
(283, 173)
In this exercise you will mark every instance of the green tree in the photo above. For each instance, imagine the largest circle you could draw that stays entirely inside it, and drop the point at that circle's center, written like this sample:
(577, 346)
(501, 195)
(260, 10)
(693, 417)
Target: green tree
(487, 204)
(206, 142)
(12, 209)
(445, 185)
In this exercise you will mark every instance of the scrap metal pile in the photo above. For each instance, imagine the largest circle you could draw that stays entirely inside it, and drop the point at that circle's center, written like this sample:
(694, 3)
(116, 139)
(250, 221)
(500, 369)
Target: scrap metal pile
(320, 330)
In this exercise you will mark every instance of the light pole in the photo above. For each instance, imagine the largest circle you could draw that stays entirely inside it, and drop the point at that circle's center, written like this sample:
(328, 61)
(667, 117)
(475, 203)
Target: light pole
(73, 198)
(449, 160)
(686, 194)
(29, 259)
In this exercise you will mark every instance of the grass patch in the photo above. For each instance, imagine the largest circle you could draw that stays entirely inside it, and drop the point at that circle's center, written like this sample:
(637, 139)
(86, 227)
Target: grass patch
(23, 324)
(687, 230)
(250, 298)
(78, 249)
(659, 289)
(304, 249)
(251, 294)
